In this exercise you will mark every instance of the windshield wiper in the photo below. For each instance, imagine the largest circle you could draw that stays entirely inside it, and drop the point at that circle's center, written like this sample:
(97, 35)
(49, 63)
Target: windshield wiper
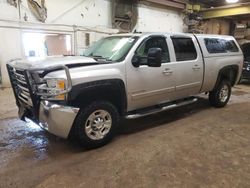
(98, 58)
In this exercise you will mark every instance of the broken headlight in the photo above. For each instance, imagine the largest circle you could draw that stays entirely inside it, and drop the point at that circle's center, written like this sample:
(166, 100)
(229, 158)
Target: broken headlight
(53, 89)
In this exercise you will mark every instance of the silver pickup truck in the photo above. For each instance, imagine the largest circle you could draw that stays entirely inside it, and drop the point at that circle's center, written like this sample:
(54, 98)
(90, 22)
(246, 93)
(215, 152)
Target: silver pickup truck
(126, 75)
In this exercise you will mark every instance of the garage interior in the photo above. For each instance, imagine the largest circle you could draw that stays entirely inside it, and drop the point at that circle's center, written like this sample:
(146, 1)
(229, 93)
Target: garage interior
(190, 146)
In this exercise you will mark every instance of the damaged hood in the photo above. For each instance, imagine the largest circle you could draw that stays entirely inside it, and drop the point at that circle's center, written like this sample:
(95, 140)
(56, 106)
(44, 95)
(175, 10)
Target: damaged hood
(46, 62)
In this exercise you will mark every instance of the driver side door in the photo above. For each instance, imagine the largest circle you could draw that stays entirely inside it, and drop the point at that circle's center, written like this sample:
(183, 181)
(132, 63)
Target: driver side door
(148, 86)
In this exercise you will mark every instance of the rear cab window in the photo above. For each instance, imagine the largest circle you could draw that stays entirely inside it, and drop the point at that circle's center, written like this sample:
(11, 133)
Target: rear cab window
(184, 48)
(218, 45)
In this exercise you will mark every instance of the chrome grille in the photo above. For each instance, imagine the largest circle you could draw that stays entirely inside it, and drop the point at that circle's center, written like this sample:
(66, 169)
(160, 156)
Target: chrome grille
(20, 85)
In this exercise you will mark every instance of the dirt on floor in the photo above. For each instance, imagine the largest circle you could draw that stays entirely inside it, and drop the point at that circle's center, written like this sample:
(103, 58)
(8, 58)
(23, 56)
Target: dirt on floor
(192, 146)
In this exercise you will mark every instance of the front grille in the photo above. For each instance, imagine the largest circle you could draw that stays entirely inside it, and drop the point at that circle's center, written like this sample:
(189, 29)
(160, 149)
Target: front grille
(20, 86)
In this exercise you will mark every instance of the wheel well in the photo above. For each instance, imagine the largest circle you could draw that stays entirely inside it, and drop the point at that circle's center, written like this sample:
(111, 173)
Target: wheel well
(229, 73)
(108, 90)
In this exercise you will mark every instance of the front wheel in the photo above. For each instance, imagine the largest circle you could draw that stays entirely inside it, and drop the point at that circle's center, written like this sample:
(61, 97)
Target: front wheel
(220, 96)
(96, 124)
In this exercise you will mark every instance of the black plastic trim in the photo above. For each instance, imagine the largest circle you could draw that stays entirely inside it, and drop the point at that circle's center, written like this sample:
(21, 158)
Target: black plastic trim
(98, 87)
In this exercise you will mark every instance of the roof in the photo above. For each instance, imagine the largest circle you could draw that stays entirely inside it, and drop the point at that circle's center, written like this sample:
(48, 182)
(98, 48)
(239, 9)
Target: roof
(171, 34)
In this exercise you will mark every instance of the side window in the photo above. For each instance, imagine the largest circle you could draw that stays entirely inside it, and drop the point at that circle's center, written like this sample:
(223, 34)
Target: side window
(184, 49)
(214, 45)
(154, 42)
(231, 46)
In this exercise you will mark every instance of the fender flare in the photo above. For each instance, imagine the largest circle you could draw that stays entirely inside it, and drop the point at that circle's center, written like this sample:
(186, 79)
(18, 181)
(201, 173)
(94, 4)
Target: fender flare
(229, 72)
(110, 89)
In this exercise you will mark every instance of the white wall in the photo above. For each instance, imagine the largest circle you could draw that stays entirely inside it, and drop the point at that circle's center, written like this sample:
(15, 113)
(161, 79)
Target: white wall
(7, 11)
(9, 49)
(151, 19)
(90, 13)
(74, 17)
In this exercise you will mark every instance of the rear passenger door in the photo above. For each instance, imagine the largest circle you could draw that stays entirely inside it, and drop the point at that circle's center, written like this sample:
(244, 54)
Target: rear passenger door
(189, 65)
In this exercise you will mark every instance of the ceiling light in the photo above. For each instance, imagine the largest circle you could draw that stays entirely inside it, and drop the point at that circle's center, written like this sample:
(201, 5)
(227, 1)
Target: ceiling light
(232, 1)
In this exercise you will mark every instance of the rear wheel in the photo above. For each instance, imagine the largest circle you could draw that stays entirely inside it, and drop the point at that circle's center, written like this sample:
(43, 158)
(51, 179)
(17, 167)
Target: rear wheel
(96, 124)
(220, 96)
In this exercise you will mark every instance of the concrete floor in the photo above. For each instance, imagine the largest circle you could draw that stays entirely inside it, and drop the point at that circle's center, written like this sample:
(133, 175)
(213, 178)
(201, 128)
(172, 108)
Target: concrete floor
(193, 146)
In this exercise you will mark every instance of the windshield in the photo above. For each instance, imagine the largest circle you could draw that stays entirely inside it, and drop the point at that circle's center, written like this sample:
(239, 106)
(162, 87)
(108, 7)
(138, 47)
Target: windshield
(111, 48)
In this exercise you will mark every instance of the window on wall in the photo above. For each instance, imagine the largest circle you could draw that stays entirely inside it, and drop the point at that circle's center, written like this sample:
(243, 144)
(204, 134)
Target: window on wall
(184, 49)
(214, 45)
(46, 44)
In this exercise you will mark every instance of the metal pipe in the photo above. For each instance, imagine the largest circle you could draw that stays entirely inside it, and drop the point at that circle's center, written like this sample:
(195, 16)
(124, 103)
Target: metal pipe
(19, 9)
(74, 27)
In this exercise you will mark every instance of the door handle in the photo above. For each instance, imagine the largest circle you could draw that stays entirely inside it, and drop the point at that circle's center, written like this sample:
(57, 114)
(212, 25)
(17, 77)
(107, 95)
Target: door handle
(167, 71)
(196, 67)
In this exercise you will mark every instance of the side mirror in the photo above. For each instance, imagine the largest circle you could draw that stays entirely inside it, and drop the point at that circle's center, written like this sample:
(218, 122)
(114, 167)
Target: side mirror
(136, 61)
(154, 57)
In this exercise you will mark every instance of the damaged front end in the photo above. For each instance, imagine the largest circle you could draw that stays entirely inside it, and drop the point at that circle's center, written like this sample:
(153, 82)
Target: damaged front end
(40, 98)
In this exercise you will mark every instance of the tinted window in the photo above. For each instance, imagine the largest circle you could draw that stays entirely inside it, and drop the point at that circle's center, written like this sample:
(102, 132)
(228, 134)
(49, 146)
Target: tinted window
(184, 49)
(154, 42)
(231, 46)
(220, 45)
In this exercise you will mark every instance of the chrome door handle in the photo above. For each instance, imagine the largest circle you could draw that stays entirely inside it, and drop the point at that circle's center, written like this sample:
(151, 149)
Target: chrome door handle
(167, 71)
(196, 67)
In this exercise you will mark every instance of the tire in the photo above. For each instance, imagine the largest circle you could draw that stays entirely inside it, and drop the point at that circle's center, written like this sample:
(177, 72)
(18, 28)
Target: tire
(220, 96)
(90, 128)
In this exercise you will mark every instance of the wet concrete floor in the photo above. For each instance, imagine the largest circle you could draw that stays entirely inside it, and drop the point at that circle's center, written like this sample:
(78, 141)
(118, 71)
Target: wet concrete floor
(192, 146)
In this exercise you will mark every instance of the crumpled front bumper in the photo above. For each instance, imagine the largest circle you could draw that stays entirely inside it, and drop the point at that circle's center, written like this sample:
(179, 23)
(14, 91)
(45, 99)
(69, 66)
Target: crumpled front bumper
(57, 119)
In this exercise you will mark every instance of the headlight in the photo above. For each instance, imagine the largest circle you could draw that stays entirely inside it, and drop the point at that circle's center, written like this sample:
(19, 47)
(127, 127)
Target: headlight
(50, 88)
(53, 89)
(57, 87)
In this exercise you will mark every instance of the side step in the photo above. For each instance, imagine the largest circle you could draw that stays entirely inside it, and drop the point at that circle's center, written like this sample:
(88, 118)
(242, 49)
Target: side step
(142, 113)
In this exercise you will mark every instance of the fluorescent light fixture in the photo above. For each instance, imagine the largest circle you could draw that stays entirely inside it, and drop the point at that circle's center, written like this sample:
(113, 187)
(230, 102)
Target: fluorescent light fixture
(232, 1)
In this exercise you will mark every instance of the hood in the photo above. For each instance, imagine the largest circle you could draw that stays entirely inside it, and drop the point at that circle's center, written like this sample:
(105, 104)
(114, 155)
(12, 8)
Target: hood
(43, 63)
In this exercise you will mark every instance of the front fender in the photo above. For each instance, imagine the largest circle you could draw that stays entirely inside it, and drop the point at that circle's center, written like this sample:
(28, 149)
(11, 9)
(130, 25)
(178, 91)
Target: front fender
(112, 90)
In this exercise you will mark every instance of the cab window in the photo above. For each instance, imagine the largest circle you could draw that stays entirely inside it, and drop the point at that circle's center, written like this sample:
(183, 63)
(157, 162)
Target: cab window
(184, 49)
(153, 42)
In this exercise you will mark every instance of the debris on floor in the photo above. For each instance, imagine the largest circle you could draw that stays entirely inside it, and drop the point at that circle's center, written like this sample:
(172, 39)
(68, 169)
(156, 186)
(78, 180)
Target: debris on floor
(172, 149)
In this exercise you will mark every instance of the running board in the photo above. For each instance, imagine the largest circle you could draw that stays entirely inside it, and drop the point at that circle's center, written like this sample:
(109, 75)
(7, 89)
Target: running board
(161, 109)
